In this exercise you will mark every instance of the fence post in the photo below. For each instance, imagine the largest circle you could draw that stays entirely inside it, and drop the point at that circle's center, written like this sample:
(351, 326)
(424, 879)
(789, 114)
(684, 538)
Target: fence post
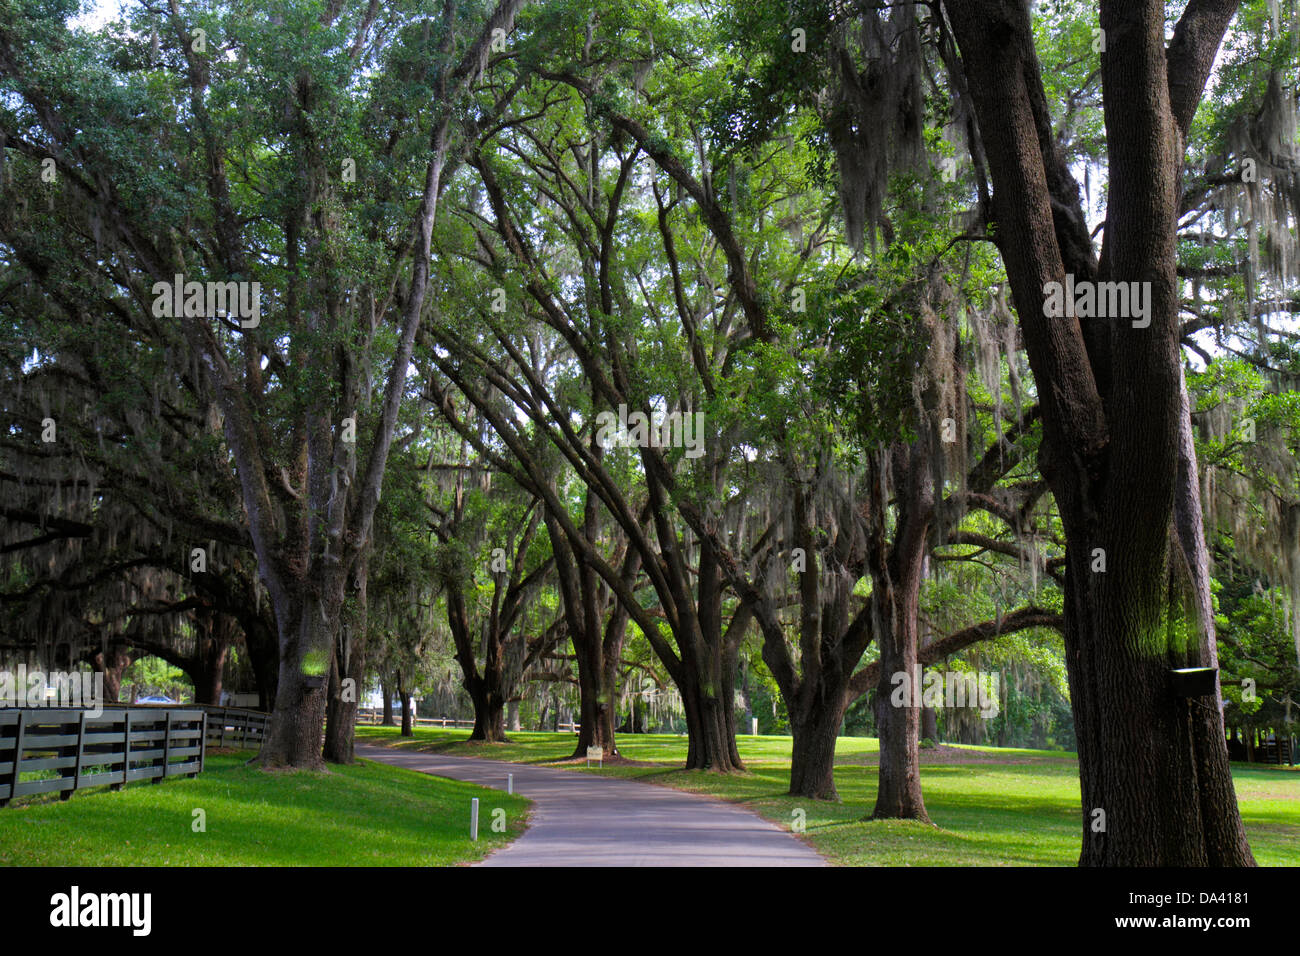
(18, 754)
(76, 767)
(203, 740)
(222, 742)
(126, 750)
(167, 749)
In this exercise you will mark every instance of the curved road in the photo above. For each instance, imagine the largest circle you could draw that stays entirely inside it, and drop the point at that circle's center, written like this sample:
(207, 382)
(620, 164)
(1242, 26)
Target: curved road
(581, 819)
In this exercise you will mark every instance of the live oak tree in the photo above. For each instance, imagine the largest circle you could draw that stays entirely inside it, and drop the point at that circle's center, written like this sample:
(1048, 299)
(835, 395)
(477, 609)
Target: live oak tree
(121, 529)
(642, 194)
(880, 523)
(1117, 431)
(601, 227)
(263, 141)
(488, 531)
(407, 641)
(1257, 654)
(1238, 253)
(833, 637)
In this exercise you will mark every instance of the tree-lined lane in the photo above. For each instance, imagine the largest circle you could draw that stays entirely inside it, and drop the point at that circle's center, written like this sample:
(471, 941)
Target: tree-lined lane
(585, 820)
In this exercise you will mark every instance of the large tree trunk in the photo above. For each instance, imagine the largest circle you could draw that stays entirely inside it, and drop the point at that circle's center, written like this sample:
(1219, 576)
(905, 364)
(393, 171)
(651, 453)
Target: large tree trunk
(485, 689)
(595, 700)
(1124, 709)
(350, 669)
(308, 632)
(729, 661)
(405, 695)
(297, 720)
(111, 663)
(1153, 767)
(896, 596)
(1125, 633)
(812, 759)
(597, 654)
(294, 737)
(708, 746)
(263, 657)
(705, 678)
(387, 690)
(489, 710)
(596, 728)
(341, 712)
(208, 671)
(598, 663)
(407, 721)
(710, 727)
(898, 793)
(512, 716)
(489, 694)
(929, 724)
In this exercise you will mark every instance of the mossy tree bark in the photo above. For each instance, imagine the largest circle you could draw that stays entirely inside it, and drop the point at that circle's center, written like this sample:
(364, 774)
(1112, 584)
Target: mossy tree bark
(1153, 767)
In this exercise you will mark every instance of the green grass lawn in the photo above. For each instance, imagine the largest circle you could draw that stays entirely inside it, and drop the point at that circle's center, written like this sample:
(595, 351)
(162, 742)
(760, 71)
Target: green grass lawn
(1004, 807)
(364, 815)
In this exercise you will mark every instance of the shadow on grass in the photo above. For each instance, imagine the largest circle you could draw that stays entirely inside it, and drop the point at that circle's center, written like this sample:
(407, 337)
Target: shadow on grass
(363, 814)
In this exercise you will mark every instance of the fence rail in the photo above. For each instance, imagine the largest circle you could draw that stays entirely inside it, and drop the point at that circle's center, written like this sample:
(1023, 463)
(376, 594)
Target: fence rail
(115, 748)
(376, 717)
(368, 716)
(1273, 748)
(236, 727)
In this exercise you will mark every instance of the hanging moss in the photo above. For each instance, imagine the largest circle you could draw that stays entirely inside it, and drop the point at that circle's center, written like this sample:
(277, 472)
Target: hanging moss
(876, 116)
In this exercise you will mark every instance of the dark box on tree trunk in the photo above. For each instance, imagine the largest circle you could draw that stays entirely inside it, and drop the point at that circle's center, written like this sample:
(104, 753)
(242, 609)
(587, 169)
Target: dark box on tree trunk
(1195, 681)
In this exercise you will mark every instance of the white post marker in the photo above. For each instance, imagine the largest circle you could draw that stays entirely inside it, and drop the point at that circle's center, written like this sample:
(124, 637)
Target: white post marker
(473, 819)
(753, 726)
(510, 783)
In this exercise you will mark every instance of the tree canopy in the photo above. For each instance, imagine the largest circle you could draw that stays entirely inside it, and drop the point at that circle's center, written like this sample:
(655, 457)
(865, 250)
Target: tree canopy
(676, 364)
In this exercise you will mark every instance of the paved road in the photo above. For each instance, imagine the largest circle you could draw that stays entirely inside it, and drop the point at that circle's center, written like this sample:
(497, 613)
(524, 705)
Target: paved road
(581, 819)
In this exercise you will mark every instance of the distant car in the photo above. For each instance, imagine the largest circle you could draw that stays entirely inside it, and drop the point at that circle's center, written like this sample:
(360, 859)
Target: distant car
(157, 700)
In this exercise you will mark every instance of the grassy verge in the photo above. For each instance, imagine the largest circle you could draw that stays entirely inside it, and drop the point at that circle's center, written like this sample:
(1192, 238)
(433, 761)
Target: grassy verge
(990, 806)
(364, 815)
